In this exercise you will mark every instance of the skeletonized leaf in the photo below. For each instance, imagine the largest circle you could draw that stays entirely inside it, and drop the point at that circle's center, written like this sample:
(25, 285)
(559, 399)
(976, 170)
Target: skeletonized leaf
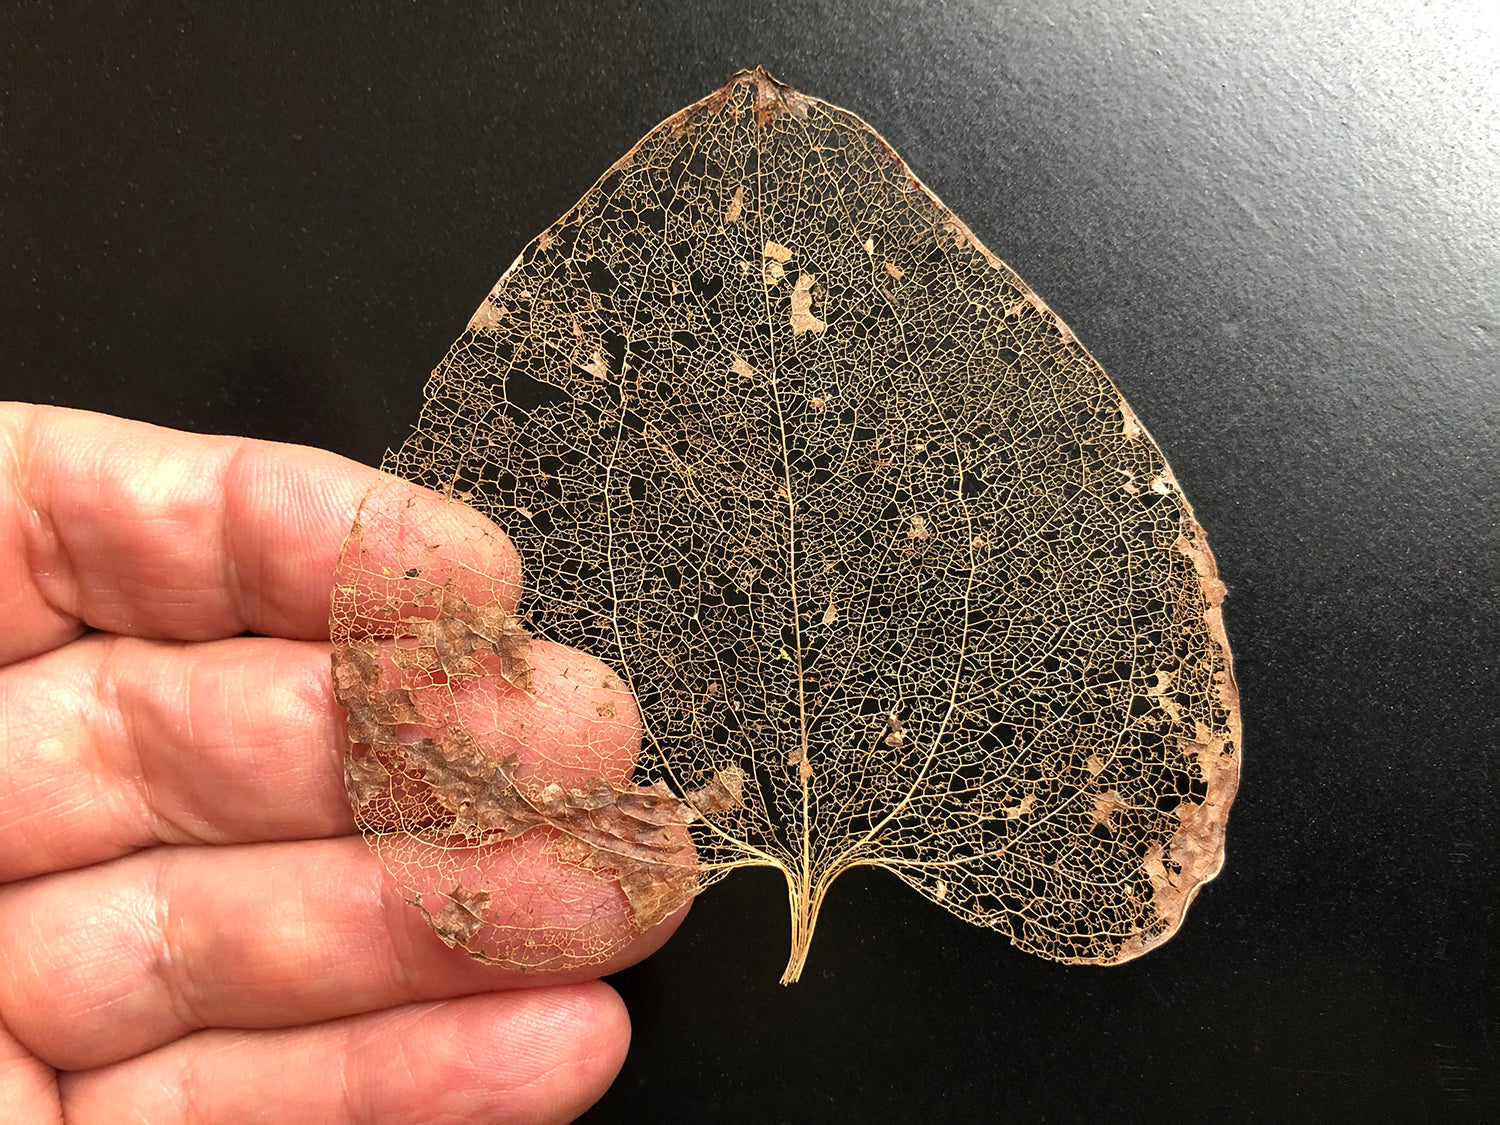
(893, 573)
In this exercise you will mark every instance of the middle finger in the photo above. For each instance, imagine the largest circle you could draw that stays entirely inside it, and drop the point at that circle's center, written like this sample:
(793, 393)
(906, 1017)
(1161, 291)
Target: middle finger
(115, 743)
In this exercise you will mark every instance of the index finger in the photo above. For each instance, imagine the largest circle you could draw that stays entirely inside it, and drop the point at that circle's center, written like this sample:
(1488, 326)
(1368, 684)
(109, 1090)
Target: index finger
(131, 528)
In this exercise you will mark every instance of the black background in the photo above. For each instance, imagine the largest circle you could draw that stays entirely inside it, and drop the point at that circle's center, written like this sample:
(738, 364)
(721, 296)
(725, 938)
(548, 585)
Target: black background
(1277, 228)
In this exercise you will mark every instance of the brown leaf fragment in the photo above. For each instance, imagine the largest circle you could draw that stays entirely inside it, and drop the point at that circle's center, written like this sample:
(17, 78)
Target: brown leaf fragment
(1195, 851)
(1196, 841)
(629, 833)
(896, 733)
(486, 317)
(657, 891)
(773, 268)
(374, 712)
(460, 633)
(773, 98)
(801, 314)
(365, 779)
(1022, 808)
(1156, 871)
(736, 206)
(724, 792)
(1106, 804)
(1160, 691)
(457, 922)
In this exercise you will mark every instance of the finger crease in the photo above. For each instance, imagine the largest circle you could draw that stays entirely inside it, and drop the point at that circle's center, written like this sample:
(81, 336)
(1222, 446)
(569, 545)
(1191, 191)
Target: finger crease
(41, 537)
(168, 966)
(230, 579)
(144, 819)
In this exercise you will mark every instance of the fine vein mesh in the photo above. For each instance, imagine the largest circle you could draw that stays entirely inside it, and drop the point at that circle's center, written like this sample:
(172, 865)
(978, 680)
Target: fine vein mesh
(856, 518)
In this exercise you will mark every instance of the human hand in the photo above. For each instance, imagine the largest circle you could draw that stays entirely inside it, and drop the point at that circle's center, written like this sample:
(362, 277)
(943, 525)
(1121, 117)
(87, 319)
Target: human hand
(190, 929)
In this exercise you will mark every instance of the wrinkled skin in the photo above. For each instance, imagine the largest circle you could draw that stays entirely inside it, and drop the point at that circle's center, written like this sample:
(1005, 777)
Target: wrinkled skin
(189, 927)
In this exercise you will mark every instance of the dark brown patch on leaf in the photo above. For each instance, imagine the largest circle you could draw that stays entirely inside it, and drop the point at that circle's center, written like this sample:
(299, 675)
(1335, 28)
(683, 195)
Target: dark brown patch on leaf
(627, 831)
(726, 791)
(458, 921)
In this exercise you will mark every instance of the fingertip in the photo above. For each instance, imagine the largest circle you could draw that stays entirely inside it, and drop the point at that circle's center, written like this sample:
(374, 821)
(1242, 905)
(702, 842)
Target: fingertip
(648, 942)
(410, 547)
(539, 1054)
(599, 1067)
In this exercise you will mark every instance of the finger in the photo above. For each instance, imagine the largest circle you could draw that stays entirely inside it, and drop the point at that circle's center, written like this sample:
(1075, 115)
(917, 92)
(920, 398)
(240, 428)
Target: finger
(112, 744)
(104, 963)
(542, 1054)
(134, 529)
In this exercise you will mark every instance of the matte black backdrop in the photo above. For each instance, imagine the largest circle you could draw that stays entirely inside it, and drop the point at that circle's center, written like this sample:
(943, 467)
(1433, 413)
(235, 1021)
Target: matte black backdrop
(1276, 228)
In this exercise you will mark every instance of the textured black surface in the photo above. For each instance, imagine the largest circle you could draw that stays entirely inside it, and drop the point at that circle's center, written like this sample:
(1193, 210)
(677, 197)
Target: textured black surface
(1277, 230)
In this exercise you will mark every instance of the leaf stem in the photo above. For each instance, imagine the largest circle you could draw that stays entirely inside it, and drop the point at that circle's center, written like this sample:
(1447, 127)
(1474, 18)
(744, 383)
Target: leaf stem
(804, 919)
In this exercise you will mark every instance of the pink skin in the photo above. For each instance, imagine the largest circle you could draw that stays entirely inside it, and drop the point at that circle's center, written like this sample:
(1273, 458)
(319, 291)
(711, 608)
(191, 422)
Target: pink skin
(188, 927)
